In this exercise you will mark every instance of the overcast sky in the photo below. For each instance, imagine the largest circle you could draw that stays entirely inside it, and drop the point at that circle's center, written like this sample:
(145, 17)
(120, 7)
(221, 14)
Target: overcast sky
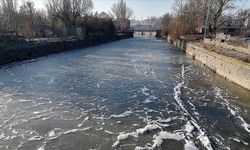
(142, 8)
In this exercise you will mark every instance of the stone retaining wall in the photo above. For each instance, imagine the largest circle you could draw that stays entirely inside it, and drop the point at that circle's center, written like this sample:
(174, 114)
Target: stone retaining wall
(232, 69)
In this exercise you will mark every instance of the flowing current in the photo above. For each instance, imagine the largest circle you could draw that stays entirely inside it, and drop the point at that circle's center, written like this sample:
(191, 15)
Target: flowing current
(134, 94)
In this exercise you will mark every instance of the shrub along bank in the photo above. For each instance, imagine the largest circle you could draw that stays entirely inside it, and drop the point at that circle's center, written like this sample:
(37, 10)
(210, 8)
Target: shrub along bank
(32, 51)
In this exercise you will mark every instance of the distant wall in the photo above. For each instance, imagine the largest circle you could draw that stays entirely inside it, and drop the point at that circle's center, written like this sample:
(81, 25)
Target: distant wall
(232, 69)
(10, 55)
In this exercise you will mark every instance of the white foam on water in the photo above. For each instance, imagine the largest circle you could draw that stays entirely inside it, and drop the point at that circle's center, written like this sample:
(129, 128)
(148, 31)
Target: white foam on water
(1, 83)
(125, 114)
(52, 134)
(99, 128)
(76, 130)
(2, 136)
(144, 91)
(118, 122)
(189, 145)
(57, 132)
(149, 127)
(37, 112)
(104, 100)
(189, 127)
(35, 138)
(163, 135)
(140, 148)
(239, 141)
(109, 132)
(245, 143)
(41, 148)
(233, 109)
(201, 134)
(123, 136)
(134, 96)
(24, 100)
(147, 101)
(85, 120)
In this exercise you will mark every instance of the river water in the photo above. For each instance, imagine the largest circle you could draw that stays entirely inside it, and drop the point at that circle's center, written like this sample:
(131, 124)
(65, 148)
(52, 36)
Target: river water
(137, 94)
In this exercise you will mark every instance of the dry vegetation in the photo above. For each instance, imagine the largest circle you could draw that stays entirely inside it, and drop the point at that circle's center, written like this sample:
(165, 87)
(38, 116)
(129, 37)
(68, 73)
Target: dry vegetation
(227, 52)
(190, 15)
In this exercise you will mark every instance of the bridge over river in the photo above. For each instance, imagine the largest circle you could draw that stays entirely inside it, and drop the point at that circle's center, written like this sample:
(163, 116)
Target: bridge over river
(145, 31)
(138, 93)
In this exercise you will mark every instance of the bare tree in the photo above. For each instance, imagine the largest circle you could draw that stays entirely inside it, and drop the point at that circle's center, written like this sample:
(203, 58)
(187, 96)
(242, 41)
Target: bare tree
(9, 17)
(68, 11)
(217, 8)
(121, 10)
(165, 22)
(27, 13)
(122, 13)
(243, 16)
(104, 15)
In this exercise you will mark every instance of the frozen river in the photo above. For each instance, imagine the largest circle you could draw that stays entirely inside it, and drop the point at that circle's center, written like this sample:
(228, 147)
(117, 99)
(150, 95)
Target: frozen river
(131, 94)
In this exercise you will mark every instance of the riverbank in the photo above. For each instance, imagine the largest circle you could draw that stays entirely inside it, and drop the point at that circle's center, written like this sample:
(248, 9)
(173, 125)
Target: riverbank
(232, 69)
(228, 62)
(33, 51)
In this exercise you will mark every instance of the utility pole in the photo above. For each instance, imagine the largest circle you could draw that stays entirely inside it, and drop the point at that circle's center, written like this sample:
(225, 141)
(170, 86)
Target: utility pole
(181, 7)
(207, 17)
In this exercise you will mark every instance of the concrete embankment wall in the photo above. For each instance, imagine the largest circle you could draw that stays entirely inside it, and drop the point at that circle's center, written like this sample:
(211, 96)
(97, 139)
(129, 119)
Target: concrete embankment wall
(10, 55)
(230, 68)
